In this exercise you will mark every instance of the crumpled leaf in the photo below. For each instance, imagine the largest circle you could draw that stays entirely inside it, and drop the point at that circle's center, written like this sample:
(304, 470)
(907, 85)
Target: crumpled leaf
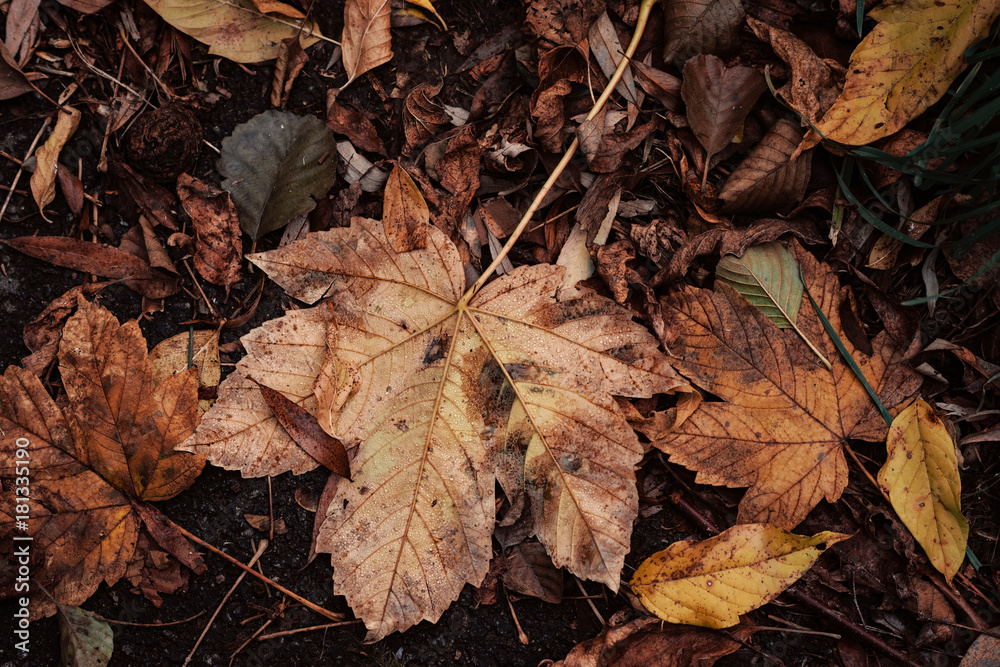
(647, 641)
(366, 40)
(86, 641)
(219, 249)
(43, 181)
(238, 29)
(701, 26)
(447, 397)
(921, 479)
(277, 165)
(784, 419)
(98, 461)
(718, 99)
(422, 115)
(711, 582)
(768, 179)
(903, 66)
(530, 571)
(405, 212)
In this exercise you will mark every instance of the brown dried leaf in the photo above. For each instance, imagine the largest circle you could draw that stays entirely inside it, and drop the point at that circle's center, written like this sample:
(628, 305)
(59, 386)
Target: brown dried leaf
(219, 249)
(814, 83)
(366, 40)
(701, 26)
(563, 22)
(43, 181)
(12, 79)
(345, 119)
(422, 116)
(647, 641)
(666, 88)
(767, 180)
(96, 460)
(290, 61)
(783, 420)
(42, 334)
(718, 99)
(171, 356)
(530, 571)
(100, 260)
(405, 212)
(450, 396)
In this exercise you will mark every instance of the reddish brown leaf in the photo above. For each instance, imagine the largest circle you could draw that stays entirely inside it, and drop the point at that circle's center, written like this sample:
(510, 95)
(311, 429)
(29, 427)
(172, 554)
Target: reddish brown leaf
(42, 334)
(767, 179)
(718, 98)
(345, 119)
(99, 260)
(701, 26)
(422, 116)
(152, 199)
(12, 79)
(530, 571)
(563, 22)
(291, 59)
(366, 41)
(404, 212)
(303, 428)
(217, 224)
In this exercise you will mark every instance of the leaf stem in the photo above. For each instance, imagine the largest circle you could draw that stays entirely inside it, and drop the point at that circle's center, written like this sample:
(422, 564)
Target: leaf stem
(644, 9)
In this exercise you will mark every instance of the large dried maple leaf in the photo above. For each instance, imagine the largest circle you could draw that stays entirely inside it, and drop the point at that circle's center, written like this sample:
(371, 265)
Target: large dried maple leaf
(783, 421)
(439, 395)
(96, 462)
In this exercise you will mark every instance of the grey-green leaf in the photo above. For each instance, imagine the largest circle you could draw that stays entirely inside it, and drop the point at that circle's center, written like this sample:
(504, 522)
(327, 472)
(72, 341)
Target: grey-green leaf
(277, 165)
(86, 641)
(768, 277)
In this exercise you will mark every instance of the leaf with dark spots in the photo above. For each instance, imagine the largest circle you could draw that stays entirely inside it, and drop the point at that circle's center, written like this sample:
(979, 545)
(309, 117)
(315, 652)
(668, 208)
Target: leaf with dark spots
(303, 428)
(509, 384)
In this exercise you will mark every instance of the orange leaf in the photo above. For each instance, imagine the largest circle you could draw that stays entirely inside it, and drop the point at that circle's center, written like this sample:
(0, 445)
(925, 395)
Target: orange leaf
(783, 420)
(366, 41)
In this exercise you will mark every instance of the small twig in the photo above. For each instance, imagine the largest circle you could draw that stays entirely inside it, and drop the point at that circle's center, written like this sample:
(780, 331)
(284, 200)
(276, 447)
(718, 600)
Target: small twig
(196, 284)
(796, 631)
(522, 636)
(250, 639)
(593, 607)
(324, 626)
(239, 580)
(128, 45)
(17, 176)
(148, 625)
(270, 507)
(333, 616)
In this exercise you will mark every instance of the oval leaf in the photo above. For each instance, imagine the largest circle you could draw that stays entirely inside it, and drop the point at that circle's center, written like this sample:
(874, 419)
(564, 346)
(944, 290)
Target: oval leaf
(768, 179)
(710, 583)
(903, 66)
(86, 641)
(237, 29)
(276, 165)
(366, 41)
(921, 478)
(405, 212)
(701, 26)
(718, 99)
(768, 277)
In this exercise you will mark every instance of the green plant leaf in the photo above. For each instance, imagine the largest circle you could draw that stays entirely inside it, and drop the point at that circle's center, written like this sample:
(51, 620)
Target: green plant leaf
(768, 277)
(276, 165)
(86, 641)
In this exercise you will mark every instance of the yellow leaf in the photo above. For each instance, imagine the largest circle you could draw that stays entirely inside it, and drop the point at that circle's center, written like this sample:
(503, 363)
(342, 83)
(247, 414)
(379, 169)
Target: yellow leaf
(238, 29)
(903, 66)
(710, 583)
(438, 397)
(921, 479)
(429, 6)
(366, 41)
(43, 181)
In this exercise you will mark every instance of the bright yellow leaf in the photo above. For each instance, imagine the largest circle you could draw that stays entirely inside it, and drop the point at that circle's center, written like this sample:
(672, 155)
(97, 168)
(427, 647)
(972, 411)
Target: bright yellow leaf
(903, 66)
(921, 479)
(710, 583)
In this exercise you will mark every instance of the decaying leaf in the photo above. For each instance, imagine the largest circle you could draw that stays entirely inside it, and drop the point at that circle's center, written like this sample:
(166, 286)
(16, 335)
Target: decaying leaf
(98, 461)
(86, 641)
(783, 420)
(710, 583)
(12, 79)
(238, 29)
(291, 59)
(366, 40)
(530, 571)
(345, 119)
(768, 179)
(701, 26)
(903, 66)
(171, 356)
(151, 282)
(647, 641)
(277, 165)
(219, 249)
(43, 181)
(718, 99)
(422, 116)
(438, 397)
(921, 478)
(405, 212)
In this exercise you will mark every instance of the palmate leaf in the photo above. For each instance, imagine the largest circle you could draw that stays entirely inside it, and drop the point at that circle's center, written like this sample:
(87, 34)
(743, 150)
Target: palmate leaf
(439, 396)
